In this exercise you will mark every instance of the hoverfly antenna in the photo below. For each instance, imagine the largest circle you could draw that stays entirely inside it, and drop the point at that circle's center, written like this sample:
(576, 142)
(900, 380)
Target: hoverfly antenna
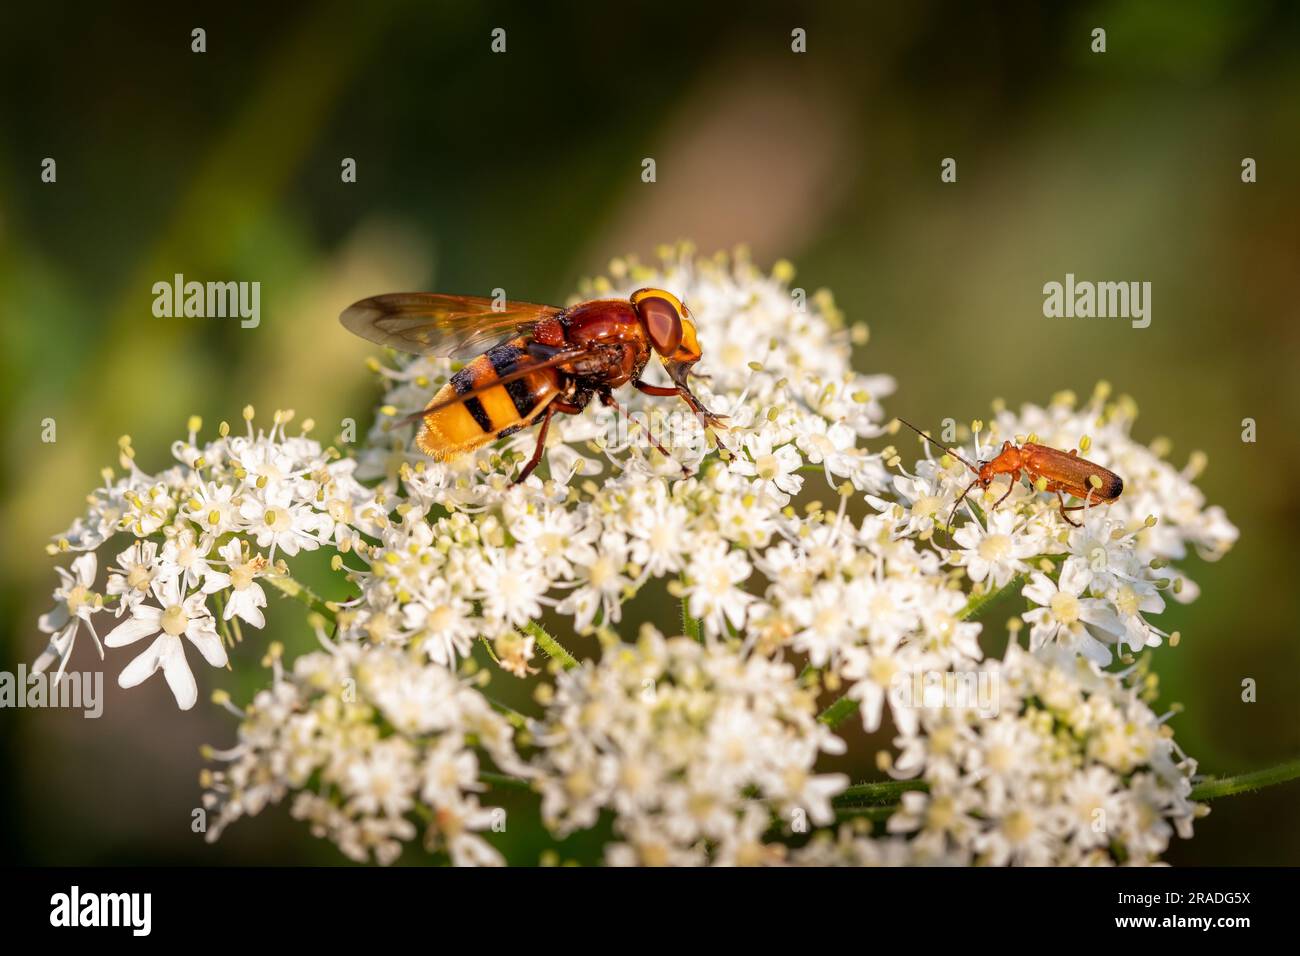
(938, 445)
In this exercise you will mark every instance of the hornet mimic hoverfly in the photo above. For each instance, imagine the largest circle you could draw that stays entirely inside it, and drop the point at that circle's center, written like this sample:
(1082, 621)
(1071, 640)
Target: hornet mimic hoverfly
(545, 359)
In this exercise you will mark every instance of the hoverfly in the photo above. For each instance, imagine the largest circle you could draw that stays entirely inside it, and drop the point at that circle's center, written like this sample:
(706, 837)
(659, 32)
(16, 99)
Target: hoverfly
(531, 362)
(1046, 468)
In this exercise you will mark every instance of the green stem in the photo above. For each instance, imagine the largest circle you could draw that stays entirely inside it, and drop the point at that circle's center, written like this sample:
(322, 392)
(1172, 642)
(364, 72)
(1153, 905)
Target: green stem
(866, 799)
(512, 716)
(226, 637)
(978, 602)
(1214, 787)
(878, 792)
(553, 648)
(874, 814)
(300, 592)
(504, 781)
(690, 625)
(838, 712)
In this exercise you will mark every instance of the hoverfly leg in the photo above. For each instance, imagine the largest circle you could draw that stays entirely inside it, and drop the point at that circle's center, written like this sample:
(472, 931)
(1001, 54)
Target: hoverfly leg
(659, 390)
(608, 399)
(706, 417)
(541, 351)
(561, 406)
(539, 448)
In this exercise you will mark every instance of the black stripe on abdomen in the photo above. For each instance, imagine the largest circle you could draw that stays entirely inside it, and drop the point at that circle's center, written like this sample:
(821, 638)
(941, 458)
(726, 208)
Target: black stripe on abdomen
(505, 359)
(462, 382)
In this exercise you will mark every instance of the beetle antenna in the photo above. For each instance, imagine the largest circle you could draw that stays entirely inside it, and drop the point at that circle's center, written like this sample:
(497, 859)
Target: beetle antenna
(957, 504)
(937, 445)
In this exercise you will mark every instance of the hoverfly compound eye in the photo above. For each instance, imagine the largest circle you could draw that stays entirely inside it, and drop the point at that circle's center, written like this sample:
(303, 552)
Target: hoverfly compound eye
(663, 323)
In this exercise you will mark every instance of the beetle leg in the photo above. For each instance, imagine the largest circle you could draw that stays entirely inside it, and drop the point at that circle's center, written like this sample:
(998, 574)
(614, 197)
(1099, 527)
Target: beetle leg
(1011, 486)
(1060, 497)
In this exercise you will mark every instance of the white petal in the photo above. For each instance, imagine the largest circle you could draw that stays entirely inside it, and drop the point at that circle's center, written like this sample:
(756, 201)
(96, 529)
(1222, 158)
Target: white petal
(1040, 589)
(203, 636)
(167, 589)
(1075, 575)
(1101, 615)
(179, 678)
(1094, 649)
(55, 620)
(215, 581)
(84, 567)
(57, 650)
(144, 621)
(145, 663)
(246, 605)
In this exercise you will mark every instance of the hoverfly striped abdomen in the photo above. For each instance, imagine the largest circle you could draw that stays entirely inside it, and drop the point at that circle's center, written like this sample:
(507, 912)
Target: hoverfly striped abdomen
(493, 411)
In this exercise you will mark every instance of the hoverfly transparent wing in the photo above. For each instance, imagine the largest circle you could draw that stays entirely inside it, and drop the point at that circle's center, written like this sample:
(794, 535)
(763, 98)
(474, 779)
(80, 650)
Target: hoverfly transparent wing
(429, 323)
(525, 366)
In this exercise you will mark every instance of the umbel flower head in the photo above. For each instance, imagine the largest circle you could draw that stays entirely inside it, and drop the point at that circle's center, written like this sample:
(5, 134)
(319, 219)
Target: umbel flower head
(695, 748)
(809, 561)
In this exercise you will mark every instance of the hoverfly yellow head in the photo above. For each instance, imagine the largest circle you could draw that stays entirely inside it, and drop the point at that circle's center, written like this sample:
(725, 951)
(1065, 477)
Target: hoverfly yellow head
(668, 325)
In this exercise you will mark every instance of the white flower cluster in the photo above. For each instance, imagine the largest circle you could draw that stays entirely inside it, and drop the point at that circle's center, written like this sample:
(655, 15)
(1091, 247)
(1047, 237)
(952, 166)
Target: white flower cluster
(317, 732)
(205, 533)
(703, 748)
(1074, 769)
(699, 752)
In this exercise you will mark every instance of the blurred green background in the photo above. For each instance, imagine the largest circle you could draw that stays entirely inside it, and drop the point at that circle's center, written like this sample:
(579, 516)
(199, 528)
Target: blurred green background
(522, 171)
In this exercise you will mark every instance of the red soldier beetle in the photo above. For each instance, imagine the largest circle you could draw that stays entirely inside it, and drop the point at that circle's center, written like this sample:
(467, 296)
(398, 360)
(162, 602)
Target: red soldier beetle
(1047, 469)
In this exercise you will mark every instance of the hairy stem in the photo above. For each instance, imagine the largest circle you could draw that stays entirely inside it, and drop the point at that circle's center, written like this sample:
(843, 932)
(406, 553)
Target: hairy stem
(874, 814)
(690, 625)
(300, 592)
(978, 602)
(504, 781)
(877, 800)
(553, 648)
(1213, 787)
(838, 712)
(877, 792)
(512, 716)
